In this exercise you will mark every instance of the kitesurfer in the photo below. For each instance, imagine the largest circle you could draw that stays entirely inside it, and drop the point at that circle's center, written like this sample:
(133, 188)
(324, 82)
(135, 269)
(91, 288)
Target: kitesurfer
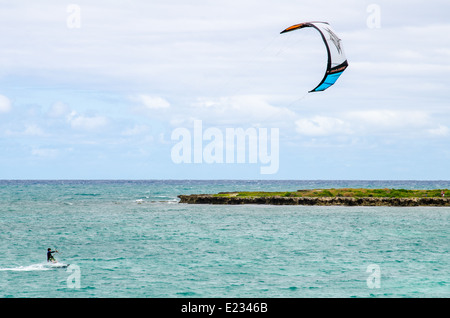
(50, 257)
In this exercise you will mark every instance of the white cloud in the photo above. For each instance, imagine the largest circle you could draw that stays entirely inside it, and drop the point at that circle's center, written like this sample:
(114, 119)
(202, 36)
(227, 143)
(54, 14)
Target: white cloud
(84, 122)
(33, 130)
(239, 110)
(5, 104)
(386, 120)
(136, 130)
(30, 130)
(372, 123)
(322, 126)
(59, 109)
(440, 131)
(149, 102)
(45, 152)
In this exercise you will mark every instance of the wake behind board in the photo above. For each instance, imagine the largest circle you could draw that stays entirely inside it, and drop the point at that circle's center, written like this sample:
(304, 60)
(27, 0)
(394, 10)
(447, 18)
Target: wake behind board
(36, 267)
(58, 265)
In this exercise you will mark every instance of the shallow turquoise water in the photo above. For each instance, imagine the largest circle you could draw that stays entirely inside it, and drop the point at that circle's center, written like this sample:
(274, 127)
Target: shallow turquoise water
(132, 239)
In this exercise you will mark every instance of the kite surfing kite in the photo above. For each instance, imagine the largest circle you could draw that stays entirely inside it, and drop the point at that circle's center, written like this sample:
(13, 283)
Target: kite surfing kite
(337, 62)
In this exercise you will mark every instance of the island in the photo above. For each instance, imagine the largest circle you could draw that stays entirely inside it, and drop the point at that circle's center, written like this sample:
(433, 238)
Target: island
(344, 197)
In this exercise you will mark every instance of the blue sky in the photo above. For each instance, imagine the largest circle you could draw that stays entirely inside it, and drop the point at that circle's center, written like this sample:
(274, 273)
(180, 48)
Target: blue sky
(100, 99)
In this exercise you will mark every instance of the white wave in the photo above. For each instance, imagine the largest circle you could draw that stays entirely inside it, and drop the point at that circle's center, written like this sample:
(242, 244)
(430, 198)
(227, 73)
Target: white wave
(29, 268)
(35, 267)
(168, 201)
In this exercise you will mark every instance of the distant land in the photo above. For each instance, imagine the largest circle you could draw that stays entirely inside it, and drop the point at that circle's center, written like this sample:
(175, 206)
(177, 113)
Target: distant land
(344, 196)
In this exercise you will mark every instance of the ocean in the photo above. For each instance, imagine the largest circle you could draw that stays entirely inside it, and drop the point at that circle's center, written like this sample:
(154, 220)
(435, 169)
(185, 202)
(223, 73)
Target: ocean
(133, 239)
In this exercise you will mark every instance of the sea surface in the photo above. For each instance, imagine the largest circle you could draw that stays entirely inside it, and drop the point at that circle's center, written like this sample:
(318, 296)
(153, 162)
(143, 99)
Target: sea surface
(133, 239)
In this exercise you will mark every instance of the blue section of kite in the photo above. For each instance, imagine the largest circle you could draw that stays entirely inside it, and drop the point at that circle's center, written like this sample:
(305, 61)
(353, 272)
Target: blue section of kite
(327, 82)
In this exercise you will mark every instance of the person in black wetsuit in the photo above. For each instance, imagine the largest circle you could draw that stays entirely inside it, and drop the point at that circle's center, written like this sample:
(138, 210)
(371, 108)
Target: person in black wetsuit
(50, 257)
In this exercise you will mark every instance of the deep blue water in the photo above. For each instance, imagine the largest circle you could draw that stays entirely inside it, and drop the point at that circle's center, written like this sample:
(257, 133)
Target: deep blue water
(133, 239)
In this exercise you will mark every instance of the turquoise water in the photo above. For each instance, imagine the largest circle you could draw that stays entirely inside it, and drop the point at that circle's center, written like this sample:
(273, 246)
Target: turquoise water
(133, 239)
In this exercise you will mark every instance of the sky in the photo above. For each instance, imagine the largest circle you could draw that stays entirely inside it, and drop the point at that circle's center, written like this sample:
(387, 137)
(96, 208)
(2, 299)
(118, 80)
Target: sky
(114, 89)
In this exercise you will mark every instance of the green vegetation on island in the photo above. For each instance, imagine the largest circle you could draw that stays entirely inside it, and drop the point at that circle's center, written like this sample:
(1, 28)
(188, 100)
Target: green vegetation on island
(344, 192)
(344, 196)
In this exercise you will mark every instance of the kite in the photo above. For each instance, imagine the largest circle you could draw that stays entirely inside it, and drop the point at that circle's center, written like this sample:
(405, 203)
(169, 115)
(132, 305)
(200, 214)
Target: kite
(337, 62)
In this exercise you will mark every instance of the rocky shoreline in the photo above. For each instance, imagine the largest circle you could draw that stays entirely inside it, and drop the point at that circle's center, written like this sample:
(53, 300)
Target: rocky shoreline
(344, 201)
